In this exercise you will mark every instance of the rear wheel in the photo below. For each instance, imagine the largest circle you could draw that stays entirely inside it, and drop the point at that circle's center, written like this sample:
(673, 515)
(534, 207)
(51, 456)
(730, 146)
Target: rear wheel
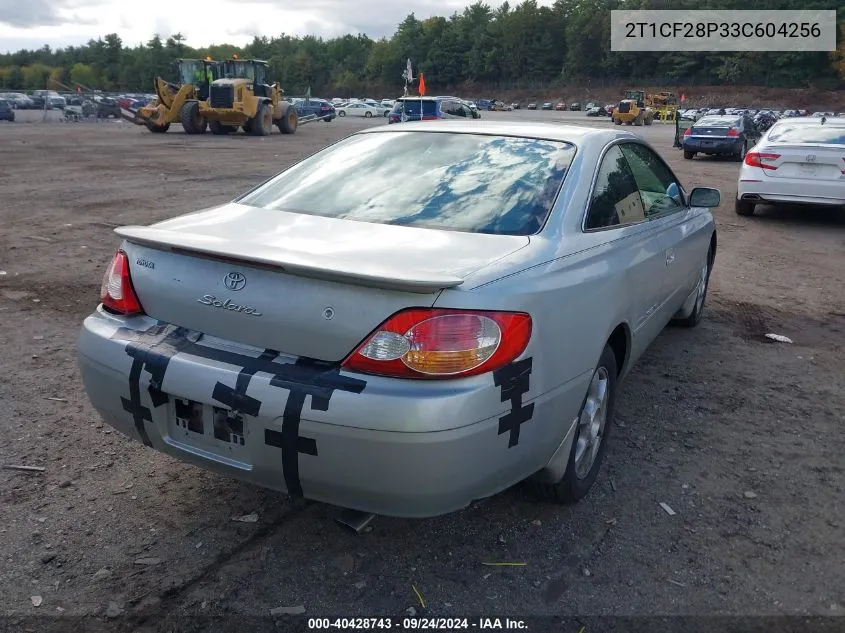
(262, 124)
(288, 123)
(341, 113)
(368, 115)
(157, 129)
(192, 121)
(744, 207)
(740, 155)
(590, 441)
(689, 155)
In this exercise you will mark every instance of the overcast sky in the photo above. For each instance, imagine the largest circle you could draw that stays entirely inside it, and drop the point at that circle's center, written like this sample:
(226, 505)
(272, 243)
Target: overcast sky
(33, 23)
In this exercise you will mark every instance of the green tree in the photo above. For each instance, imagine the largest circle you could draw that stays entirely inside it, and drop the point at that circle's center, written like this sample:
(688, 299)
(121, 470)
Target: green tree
(84, 75)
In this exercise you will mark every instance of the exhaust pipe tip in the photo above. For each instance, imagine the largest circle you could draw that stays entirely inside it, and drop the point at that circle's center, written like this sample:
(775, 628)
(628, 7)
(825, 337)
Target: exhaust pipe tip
(355, 520)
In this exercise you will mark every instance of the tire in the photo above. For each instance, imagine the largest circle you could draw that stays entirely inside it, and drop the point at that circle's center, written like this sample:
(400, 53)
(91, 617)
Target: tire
(580, 476)
(744, 207)
(219, 129)
(192, 122)
(262, 124)
(157, 129)
(387, 114)
(289, 121)
(689, 155)
(341, 113)
(740, 155)
(694, 317)
(368, 115)
(617, 121)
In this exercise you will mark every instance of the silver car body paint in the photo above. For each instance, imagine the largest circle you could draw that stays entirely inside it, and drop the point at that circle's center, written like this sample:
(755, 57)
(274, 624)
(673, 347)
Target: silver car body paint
(384, 445)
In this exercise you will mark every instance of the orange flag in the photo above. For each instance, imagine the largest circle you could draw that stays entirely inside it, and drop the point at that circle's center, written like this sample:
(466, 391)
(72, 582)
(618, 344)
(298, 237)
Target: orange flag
(422, 85)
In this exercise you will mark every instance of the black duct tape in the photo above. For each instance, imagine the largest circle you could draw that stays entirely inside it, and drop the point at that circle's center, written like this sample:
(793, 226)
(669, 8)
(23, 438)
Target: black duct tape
(514, 382)
(153, 349)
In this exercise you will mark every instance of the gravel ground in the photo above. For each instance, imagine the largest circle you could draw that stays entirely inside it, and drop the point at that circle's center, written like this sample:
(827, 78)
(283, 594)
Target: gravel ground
(740, 436)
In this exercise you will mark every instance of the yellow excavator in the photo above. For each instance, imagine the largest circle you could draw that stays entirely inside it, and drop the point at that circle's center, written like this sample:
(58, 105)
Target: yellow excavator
(222, 96)
(177, 103)
(633, 109)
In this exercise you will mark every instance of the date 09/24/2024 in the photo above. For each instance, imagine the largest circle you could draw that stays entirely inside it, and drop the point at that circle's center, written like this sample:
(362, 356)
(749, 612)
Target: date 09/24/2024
(410, 623)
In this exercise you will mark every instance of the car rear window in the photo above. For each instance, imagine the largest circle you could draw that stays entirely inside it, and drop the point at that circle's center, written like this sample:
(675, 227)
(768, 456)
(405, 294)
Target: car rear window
(474, 183)
(412, 107)
(815, 133)
(718, 121)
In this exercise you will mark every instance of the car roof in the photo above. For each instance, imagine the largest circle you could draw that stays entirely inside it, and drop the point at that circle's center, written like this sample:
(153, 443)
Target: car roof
(575, 134)
(719, 117)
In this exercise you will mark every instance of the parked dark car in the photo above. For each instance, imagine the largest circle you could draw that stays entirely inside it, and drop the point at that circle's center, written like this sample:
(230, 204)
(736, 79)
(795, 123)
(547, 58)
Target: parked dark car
(38, 102)
(485, 104)
(575, 106)
(6, 111)
(107, 107)
(597, 111)
(428, 109)
(729, 135)
(54, 99)
(318, 107)
(547, 106)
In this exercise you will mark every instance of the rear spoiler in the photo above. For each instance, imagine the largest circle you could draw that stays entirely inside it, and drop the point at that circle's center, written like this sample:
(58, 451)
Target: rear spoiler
(295, 263)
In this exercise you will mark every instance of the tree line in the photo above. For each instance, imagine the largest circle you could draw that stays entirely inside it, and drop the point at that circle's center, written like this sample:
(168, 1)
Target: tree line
(514, 46)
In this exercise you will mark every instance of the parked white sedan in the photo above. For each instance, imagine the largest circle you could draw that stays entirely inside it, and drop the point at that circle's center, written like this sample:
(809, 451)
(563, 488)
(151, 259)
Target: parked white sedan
(797, 161)
(359, 109)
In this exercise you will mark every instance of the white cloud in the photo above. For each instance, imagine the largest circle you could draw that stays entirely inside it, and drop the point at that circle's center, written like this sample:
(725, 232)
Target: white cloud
(34, 23)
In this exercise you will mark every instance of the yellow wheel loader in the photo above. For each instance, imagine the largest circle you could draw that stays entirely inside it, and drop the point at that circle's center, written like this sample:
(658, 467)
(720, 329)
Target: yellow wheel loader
(179, 103)
(632, 110)
(242, 97)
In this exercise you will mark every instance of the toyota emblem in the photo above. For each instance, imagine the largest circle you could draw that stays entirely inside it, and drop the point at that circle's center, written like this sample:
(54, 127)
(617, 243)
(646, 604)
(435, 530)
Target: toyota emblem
(234, 281)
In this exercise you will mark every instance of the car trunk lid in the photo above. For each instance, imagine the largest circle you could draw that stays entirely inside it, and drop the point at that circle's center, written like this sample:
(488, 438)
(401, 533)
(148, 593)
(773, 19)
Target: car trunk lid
(823, 163)
(298, 284)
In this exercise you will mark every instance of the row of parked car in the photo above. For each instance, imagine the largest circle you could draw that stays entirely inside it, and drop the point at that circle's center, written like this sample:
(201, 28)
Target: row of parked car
(392, 109)
(697, 113)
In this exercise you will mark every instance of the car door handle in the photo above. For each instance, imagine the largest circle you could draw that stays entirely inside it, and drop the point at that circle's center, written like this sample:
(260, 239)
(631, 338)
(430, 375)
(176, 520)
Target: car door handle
(670, 258)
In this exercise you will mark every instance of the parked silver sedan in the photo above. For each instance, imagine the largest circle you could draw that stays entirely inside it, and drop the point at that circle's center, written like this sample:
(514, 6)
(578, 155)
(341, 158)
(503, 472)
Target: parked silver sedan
(408, 320)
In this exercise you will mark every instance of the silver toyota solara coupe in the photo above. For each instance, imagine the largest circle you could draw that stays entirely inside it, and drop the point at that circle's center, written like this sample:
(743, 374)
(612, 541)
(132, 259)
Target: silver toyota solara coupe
(413, 318)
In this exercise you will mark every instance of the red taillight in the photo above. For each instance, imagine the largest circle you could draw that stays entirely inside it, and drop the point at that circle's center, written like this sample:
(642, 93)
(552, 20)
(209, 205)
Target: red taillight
(435, 343)
(733, 133)
(758, 159)
(688, 132)
(116, 293)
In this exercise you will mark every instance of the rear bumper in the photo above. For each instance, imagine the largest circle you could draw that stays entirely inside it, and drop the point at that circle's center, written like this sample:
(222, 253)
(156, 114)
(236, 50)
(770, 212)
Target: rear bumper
(319, 432)
(768, 190)
(703, 146)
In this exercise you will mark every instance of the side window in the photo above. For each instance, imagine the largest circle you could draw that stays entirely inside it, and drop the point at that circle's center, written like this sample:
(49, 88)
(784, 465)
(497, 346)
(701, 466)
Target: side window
(615, 199)
(659, 190)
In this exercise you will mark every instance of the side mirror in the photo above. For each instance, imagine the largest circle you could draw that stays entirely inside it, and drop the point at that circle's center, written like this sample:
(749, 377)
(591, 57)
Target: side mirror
(705, 197)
